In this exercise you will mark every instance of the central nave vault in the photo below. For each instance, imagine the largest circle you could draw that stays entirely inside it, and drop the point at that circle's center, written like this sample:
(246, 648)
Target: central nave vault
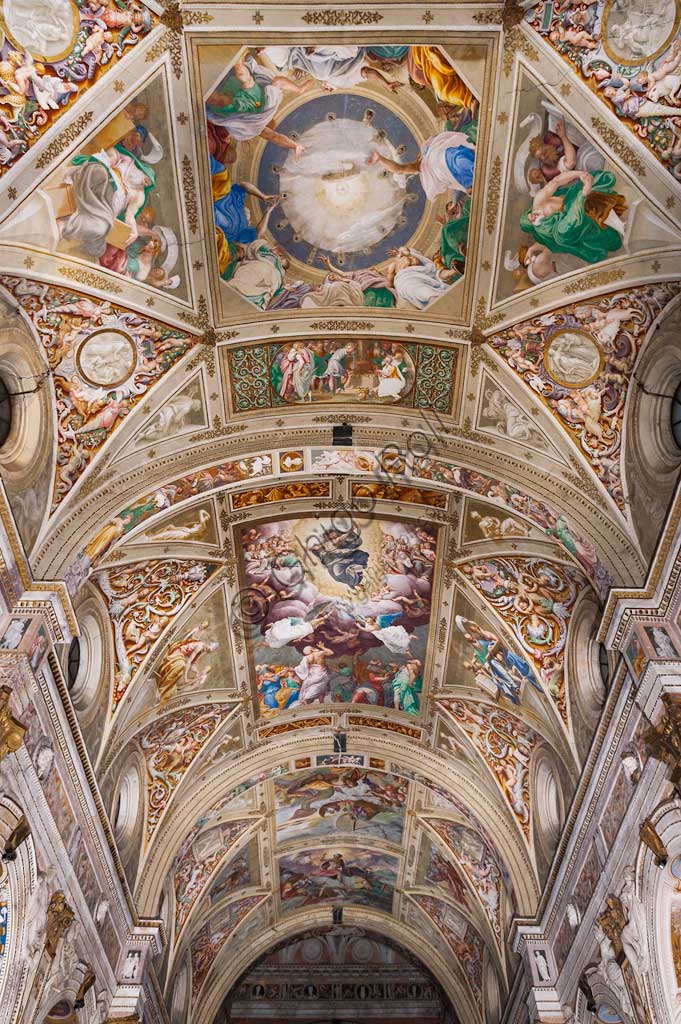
(353, 332)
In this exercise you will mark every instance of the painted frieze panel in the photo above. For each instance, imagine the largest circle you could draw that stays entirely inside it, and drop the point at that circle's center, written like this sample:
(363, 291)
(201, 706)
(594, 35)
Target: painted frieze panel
(343, 371)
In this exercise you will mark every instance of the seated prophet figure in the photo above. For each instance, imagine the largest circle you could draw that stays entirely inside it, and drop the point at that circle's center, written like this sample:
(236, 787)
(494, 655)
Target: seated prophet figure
(574, 213)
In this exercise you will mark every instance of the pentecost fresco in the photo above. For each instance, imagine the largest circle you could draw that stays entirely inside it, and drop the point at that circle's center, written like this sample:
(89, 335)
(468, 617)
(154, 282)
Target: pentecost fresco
(341, 611)
(358, 192)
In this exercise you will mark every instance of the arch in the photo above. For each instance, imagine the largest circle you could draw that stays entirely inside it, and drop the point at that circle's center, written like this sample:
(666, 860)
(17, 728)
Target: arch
(231, 963)
(17, 879)
(651, 458)
(548, 806)
(179, 1006)
(658, 888)
(492, 993)
(586, 688)
(127, 805)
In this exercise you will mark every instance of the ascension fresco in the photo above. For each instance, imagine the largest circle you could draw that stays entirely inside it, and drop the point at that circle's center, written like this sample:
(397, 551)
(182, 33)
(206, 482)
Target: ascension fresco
(628, 52)
(343, 201)
(341, 611)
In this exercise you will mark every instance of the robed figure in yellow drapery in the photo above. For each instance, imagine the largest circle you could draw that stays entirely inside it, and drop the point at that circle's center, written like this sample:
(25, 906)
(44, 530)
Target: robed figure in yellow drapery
(427, 66)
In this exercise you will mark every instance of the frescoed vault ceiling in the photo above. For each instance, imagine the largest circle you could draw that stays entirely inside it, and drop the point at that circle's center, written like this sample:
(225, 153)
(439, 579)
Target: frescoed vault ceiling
(316, 676)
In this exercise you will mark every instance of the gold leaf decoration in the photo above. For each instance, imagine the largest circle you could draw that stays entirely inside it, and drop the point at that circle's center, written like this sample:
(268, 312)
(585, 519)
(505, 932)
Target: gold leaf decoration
(619, 146)
(342, 19)
(64, 139)
(170, 42)
(189, 189)
(91, 279)
(342, 325)
(488, 17)
(594, 280)
(515, 41)
(493, 195)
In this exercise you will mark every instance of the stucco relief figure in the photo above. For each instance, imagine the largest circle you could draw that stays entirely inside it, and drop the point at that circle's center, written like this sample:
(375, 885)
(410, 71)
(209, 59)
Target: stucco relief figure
(634, 938)
(174, 415)
(542, 964)
(496, 527)
(36, 917)
(195, 530)
(45, 27)
(132, 962)
(611, 972)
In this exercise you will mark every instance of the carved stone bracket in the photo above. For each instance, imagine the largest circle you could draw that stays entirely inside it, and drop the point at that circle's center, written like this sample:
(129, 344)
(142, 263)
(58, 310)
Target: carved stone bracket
(60, 917)
(663, 741)
(11, 729)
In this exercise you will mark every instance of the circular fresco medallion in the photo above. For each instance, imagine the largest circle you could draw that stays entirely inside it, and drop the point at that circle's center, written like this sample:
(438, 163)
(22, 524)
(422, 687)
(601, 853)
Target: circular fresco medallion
(46, 28)
(335, 204)
(572, 358)
(675, 867)
(634, 32)
(107, 358)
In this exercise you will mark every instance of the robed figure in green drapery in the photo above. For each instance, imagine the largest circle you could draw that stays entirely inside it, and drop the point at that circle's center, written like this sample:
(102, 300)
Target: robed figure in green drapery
(570, 215)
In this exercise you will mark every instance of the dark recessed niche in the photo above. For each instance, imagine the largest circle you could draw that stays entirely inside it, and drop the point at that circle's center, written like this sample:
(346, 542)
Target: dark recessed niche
(5, 412)
(73, 662)
(675, 417)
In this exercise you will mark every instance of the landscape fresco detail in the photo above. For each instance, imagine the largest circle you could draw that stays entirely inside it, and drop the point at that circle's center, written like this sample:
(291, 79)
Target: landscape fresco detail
(341, 175)
(343, 611)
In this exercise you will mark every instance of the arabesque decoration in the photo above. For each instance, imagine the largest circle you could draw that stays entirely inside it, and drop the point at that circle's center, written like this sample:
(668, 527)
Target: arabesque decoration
(103, 360)
(143, 599)
(579, 361)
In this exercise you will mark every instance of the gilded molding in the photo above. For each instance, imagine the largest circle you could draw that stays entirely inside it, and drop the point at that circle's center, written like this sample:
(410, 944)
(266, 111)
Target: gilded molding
(597, 279)
(342, 325)
(342, 19)
(493, 195)
(618, 146)
(64, 139)
(515, 41)
(189, 188)
(92, 280)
